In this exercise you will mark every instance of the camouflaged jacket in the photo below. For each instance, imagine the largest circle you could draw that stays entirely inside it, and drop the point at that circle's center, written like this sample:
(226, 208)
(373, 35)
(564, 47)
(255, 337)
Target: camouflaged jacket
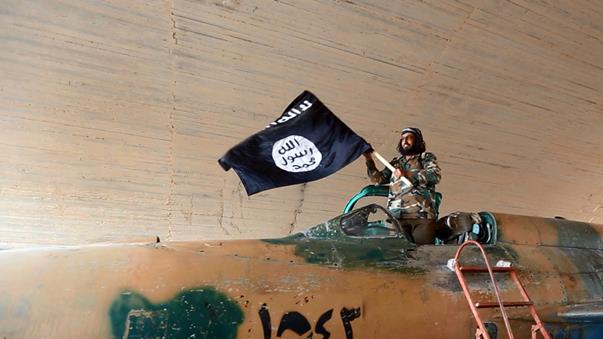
(419, 202)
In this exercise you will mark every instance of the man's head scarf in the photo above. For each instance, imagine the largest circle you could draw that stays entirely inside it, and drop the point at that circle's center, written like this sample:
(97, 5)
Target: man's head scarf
(419, 145)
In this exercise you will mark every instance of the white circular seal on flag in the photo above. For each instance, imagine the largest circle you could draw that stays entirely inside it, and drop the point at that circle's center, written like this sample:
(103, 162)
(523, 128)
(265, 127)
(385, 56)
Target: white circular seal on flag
(296, 154)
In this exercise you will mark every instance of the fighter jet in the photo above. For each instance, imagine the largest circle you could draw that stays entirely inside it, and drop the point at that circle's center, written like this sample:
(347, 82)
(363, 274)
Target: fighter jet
(357, 275)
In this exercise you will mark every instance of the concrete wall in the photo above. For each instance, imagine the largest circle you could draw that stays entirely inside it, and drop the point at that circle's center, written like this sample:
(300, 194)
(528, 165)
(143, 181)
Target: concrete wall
(113, 114)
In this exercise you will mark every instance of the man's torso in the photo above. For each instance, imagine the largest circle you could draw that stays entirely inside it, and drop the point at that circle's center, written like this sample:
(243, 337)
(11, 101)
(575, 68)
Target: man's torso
(416, 203)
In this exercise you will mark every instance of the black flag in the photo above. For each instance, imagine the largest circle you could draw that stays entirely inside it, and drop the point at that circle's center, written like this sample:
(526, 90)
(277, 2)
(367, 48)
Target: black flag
(307, 142)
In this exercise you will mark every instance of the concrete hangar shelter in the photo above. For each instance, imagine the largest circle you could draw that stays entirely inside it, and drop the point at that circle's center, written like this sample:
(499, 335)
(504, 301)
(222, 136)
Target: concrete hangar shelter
(113, 116)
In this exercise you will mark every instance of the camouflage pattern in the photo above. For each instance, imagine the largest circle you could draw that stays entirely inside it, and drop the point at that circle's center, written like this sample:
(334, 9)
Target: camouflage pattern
(319, 283)
(419, 202)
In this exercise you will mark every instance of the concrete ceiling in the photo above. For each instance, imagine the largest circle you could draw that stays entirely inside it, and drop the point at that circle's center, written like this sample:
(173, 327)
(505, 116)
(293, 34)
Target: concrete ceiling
(113, 114)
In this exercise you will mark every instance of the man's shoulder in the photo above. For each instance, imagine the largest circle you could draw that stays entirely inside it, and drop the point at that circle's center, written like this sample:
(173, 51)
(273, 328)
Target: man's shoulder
(428, 156)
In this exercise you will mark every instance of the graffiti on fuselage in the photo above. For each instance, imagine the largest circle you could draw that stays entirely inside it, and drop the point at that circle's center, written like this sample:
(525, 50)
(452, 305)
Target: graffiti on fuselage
(201, 312)
(298, 323)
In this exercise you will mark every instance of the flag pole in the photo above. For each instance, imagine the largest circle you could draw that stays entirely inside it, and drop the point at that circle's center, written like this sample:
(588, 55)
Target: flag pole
(384, 162)
(391, 168)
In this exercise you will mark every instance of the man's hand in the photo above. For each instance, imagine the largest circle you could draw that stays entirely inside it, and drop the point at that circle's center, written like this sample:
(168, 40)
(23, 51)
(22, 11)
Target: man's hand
(370, 164)
(399, 172)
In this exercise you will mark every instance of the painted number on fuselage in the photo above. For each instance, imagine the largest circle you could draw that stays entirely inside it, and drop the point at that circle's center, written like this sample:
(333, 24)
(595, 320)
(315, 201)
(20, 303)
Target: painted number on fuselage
(298, 323)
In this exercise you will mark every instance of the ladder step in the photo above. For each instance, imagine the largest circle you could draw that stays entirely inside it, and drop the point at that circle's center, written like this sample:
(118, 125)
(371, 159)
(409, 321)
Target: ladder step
(505, 303)
(484, 269)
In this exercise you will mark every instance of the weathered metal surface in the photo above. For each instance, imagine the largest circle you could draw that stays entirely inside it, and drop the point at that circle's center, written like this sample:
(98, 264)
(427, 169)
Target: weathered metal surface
(523, 230)
(317, 282)
(113, 113)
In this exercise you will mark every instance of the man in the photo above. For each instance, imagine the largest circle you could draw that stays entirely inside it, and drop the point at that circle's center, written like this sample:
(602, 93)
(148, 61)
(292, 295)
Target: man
(414, 208)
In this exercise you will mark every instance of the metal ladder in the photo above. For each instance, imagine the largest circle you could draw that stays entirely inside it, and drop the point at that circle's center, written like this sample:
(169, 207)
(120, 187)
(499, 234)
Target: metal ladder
(481, 332)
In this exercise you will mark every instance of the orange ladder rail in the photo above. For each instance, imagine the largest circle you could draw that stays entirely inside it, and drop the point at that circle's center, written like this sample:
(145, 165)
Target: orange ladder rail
(481, 331)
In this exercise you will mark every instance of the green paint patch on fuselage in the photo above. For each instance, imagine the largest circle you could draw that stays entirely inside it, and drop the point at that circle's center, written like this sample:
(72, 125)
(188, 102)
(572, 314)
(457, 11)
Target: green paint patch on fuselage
(588, 263)
(577, 234)
(196, 313)
(325, 244)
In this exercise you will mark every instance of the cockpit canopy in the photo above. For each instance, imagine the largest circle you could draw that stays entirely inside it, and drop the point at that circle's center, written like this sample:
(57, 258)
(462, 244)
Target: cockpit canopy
(373, 221)
(370, 221)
